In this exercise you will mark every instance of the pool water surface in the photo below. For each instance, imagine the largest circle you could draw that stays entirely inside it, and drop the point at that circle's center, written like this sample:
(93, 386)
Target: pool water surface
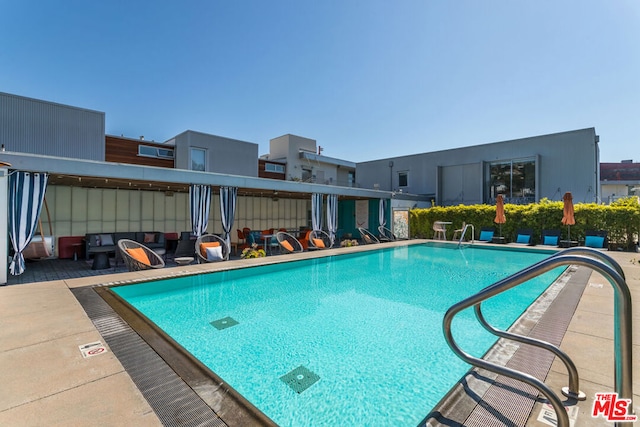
(365, 329)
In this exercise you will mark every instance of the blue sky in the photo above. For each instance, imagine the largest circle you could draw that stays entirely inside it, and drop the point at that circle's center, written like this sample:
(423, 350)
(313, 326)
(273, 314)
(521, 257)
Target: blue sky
(366, 79)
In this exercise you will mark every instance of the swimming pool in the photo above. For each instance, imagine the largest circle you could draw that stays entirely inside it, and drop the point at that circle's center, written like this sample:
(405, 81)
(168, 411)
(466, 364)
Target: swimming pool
(366, 327)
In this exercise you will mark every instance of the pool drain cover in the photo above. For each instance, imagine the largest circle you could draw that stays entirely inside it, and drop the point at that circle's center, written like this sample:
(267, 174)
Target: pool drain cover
(300, 379)
(224, 323)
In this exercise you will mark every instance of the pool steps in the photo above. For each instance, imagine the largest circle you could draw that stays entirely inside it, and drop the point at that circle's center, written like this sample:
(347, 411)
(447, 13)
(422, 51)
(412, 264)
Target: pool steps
(583, 256)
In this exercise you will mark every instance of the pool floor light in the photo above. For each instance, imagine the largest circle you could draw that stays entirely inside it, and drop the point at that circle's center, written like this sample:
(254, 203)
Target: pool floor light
(224, 323)
(300, 379)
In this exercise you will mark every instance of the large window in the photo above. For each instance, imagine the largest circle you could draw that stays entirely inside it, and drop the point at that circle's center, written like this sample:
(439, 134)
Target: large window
(198, 159)
(514, 179)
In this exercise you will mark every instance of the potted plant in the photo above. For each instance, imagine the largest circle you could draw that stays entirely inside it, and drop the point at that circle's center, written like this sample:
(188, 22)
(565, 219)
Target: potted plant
(253, 252)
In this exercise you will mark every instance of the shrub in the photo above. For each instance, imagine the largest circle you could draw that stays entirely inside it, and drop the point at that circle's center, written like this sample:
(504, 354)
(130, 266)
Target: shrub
(621, 220)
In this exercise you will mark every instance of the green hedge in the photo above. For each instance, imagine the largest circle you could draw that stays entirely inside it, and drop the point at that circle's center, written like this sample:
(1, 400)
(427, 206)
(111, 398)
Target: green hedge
(621, 220)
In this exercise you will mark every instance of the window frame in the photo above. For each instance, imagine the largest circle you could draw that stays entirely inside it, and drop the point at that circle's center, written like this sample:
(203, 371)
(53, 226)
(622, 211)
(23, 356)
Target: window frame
(155, 152)
(404, 174)
(276, 166)
(516, 181)
(204, 154)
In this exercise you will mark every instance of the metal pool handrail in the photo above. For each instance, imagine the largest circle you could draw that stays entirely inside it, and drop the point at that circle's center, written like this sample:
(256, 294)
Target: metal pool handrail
(464, 231)
(595, 260)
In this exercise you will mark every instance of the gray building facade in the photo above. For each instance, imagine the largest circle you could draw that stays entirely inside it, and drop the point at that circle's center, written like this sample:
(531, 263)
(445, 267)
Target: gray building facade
(40, 127)
(211, 153)
(523, 170)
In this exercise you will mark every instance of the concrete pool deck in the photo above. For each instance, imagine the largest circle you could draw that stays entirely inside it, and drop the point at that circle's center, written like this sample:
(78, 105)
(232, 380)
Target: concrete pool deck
(47, 381)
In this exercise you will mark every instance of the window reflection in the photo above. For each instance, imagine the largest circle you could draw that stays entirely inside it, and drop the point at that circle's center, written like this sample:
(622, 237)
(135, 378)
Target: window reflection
(198, 159)
(514, 179)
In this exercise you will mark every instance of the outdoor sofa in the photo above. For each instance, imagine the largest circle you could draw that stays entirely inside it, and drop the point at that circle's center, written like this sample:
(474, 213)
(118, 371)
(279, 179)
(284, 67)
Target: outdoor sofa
(151, 239)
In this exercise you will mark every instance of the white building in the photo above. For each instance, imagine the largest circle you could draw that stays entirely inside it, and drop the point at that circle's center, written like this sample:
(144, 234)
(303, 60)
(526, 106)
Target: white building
(305, 162)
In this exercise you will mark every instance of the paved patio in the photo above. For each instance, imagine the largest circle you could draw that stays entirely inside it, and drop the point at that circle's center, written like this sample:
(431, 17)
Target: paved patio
(47, 381)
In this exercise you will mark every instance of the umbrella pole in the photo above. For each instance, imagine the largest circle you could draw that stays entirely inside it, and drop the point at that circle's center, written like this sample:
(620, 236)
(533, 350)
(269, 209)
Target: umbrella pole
(569, 233)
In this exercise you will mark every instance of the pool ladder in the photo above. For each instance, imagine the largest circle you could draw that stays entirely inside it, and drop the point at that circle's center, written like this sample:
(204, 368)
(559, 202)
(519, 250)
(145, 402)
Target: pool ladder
(597, 261)
(464, 231)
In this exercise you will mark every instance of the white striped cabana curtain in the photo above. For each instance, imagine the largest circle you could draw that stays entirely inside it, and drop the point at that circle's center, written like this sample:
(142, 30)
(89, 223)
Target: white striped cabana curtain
(200, 203)
(382, 210)
(228, 197)
(316, 211)
(332, 216)
(26, 194)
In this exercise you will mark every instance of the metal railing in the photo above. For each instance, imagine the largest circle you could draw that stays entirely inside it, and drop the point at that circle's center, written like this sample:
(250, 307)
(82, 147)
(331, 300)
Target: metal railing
(597, 261)
(464, 231)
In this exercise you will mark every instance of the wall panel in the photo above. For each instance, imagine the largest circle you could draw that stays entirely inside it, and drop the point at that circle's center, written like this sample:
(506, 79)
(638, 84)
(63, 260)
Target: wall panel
(76, 211)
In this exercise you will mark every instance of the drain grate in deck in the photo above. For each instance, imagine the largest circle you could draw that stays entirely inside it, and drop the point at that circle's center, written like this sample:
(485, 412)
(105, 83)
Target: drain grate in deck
(174, 402)
(300, 379)
(224, 323)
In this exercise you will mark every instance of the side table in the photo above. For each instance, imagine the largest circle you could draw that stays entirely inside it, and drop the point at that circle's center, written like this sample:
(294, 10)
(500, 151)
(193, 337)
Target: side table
(75, 247)
(185, 260)
(100, 258)
(568, 243)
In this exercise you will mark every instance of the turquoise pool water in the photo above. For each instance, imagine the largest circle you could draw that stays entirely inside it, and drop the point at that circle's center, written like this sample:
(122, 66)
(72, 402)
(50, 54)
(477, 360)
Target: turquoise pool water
(369, 325)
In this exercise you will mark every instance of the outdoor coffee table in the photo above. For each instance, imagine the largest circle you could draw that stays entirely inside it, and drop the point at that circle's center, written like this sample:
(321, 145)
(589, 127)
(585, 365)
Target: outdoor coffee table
(100, 258)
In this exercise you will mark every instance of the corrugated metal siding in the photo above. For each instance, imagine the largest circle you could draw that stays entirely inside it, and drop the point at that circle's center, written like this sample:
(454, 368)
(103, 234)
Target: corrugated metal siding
(39, 127)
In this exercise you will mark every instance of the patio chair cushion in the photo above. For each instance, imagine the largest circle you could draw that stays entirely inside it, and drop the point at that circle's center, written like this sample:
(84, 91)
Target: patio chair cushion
(550, 240)
(214, 253)
(205, 245)
(106, 240)
(523, 238)
(287, 245)
(149, 238)
(318, 243)
(594, 241)
(486, 236)
(139, 255)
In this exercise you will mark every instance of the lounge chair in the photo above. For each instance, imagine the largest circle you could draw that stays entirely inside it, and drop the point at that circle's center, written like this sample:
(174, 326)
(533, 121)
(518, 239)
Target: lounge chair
(268, 239)
(486, 234)
(550, 238)
(304, 239)
(524, 236)
(288, 243)
(242, 241)
(318, 239)
(596, 239)
(386, 235)
(458, 232)
(137, 256)
(211, 248)
(439, 231)
(186, 246)
(367, 237)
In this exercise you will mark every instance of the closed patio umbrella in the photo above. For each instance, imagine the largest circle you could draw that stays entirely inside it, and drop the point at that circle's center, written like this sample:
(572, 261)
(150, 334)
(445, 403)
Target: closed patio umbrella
(567, 213)
(382, 211)
(500, 218)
